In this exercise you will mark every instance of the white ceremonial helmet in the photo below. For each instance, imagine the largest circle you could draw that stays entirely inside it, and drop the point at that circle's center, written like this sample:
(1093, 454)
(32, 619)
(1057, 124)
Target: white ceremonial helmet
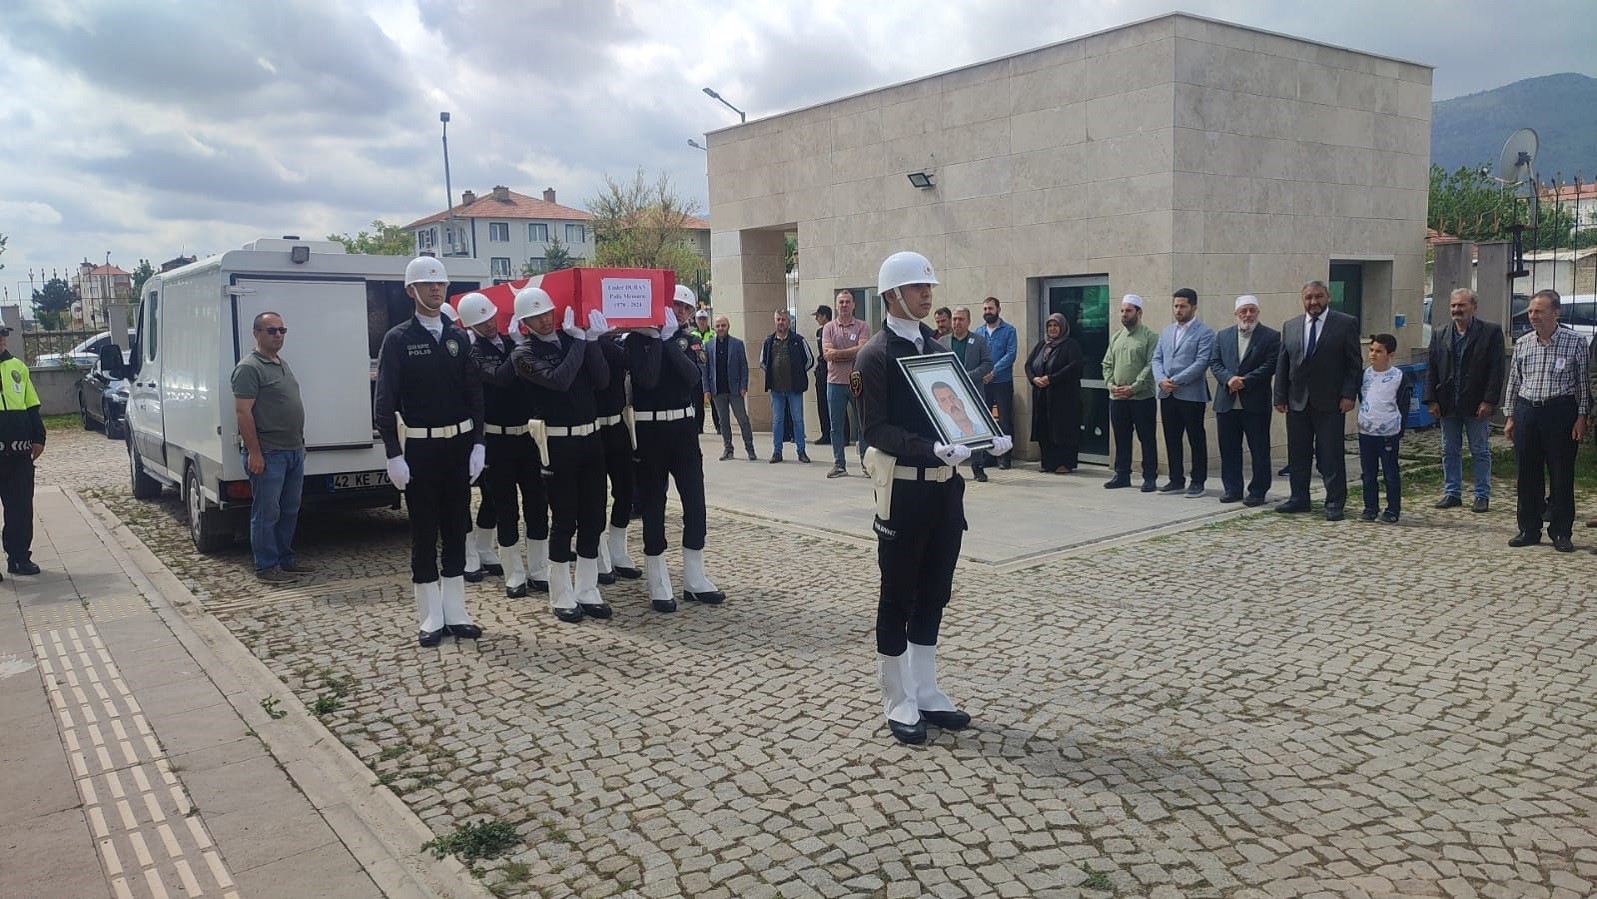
(904, 267)
(425, 270)
(476, 309)
(685, 296)
(532, 301)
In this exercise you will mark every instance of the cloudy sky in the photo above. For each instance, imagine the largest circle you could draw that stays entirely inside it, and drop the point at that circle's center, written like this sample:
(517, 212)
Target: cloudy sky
(156, 128)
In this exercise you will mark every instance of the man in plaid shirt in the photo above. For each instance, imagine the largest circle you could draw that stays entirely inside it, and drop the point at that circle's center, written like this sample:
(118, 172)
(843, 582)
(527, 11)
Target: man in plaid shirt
(1549, 397)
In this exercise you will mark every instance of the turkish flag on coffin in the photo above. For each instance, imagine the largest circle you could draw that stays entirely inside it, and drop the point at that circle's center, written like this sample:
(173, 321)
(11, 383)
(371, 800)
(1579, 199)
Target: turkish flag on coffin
(628, 297)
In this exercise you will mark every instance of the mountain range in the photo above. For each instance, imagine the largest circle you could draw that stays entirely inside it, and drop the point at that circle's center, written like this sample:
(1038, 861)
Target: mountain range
(1470, 130)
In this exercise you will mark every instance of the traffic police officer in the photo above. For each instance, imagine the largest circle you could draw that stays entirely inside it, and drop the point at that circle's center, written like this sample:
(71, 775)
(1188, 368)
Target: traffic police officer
(564, 369)
(21, 442)
(515, 467)
(615, 432)
(920, 507)
(665, 385)
(425, 375)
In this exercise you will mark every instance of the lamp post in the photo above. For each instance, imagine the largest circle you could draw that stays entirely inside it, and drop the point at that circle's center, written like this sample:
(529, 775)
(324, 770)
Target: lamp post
(715, 96)
(696, 145)
(449, 190)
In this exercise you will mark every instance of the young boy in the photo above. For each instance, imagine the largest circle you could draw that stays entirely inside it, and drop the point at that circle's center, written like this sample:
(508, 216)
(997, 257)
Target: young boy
(1383, 412)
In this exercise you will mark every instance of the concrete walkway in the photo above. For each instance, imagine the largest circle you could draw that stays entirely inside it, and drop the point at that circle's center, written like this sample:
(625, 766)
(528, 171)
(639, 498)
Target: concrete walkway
(133, 763)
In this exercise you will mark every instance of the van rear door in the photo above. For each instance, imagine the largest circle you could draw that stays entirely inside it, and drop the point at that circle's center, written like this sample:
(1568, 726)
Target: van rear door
(325, 346)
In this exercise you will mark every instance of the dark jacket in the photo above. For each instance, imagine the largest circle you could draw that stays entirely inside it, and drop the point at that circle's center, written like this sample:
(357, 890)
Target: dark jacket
(1257, 370)
(800, 357)
(892, 416)
(563, 375)
(431, 383)
(1056, 409)
(505, 398)
(665, 371)
(1479, 380)
(1319, 382)
(737, 365)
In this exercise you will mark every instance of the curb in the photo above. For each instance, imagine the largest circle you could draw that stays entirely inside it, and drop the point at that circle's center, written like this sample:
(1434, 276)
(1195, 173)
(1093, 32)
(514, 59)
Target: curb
(376, 826)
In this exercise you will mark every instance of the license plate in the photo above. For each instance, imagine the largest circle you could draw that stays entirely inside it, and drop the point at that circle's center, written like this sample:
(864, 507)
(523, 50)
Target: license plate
(359, 480)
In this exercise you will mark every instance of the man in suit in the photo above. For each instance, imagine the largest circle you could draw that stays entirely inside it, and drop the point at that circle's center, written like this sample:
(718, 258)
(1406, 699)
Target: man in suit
(971, 348)
(1316, 385)
(1244, 366)
(1463, 384)
(1180, 372)
(726, 383)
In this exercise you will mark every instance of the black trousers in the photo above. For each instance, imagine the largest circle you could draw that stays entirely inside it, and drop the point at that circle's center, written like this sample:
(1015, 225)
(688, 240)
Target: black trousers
(16, 495)
(1234, 426)
(576, 497)
(621, 470)
(823, 408)
(438, 499)
(485, 509)
(1124, 415)
(1002, 396)
(917, 550)
(1546, 455)
(1184, 419)
(698, 412)
(515, 477)
(1316, 437)
(667, 451)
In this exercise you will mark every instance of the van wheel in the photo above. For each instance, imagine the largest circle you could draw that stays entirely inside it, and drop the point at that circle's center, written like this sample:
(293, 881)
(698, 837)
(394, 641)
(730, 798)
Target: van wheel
(144, 486)
(207, 526)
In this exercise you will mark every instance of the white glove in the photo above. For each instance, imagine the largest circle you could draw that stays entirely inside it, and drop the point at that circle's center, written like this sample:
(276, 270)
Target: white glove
(1002, 445)
(570, 325)
(671, 323)
(952, 453)
(478, 462)
(596, 325)
(399, 472)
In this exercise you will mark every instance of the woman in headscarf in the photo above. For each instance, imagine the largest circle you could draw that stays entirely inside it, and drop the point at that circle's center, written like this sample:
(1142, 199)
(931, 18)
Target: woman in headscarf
(1054, 369)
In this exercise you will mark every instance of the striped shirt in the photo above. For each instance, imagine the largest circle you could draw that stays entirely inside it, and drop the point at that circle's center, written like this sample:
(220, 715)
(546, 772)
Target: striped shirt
(1558, 368)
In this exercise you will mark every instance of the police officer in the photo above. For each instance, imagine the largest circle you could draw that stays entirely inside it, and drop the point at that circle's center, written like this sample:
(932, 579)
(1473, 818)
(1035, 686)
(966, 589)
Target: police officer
(21, 443)
(665, 385)
(920, 508)
(425, 375)
(615, 432)
(480, 556)
(515, 467)
(564, 369)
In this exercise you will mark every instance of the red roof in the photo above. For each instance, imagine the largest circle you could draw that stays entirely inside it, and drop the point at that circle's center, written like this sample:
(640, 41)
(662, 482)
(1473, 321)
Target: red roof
(517, 206)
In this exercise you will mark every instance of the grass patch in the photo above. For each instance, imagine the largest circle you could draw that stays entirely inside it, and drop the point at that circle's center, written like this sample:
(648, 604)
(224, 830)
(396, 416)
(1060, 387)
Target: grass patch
(1098, 880)
(67, 421)
(485, 839)
(394, 752)
(325, 704)
(269, 706)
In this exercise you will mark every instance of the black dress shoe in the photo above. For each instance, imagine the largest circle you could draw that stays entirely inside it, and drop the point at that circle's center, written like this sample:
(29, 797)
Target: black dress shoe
(775, 458)
(569, 616)
(26, 566)
(1116, 483)
(1563, 544)
(473, 577)
(824, 441)
(1368, 515)
(1149, 486)
(913, 734)
(429, 638)
(494, 569)
(607, 577)
(804, 458)
(664, 605)
(1481, 504)
(1174, 487)
(1449, 502)
(980, 475)
(516, 592)
(464, 631)
(1292, 506)
(1003, 464)
(1524, 539)
(1389, 517)
(600, 610)
(538, 586)
(1334, 515)
(1230, 498)
(630, 574)
(950, 720)
(726, 455)
(1252, 501)
(708, 597)
(1285, 470)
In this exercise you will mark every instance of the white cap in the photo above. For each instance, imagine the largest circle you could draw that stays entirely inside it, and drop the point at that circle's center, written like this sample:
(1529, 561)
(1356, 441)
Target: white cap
(1133, 299)
(1247, 299)
(684, 296)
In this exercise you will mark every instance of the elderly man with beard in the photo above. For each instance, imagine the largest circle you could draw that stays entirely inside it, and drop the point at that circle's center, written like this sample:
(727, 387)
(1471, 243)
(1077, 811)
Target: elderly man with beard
(1244, 371)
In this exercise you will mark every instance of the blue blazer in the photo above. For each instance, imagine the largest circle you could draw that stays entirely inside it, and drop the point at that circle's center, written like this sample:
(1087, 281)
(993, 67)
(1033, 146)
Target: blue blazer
(1257, 370)
(1188, 364)
(737, 365)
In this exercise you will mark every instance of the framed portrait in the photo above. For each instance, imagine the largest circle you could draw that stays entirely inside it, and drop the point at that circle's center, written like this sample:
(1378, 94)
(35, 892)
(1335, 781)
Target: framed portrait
(951, 400)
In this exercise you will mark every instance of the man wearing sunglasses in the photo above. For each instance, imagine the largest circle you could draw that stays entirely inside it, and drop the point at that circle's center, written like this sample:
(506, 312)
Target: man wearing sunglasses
(271, 429)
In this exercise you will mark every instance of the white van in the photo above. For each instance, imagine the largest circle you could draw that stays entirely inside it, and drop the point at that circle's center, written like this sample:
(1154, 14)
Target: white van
(194, 323)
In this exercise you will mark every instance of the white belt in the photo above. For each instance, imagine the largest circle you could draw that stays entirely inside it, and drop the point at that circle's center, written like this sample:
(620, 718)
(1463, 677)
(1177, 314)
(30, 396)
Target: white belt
(575, 431)
(464, 427)
(510, 430)
(604, 421)
(913, 473)
(668, 415)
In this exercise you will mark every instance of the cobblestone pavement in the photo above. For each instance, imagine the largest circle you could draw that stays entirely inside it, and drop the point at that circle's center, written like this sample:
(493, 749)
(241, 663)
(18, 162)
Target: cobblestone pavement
(1266, 706)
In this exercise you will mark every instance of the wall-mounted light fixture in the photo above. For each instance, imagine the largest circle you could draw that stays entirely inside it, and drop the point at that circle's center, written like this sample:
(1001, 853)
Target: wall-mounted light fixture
(922, 180)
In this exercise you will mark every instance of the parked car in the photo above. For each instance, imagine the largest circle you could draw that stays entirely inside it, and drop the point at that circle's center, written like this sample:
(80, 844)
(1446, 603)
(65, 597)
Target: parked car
(103, 399)
(83, 355)
(1578, 313)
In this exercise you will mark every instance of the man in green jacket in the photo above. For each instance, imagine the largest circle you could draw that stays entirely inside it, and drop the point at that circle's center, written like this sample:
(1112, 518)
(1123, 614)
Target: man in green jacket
(1128, 372)
(700, 326)
(21, 442)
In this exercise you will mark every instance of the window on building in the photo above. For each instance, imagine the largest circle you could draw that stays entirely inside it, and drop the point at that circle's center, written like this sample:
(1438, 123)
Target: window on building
(426, 238)
(537, 265)
(576, 234)
(538, 232)
(500, 268)
(499, 232)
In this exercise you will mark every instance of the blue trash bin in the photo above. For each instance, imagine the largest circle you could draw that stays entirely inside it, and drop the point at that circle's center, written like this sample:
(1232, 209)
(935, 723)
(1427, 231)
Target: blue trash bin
(1419, 416)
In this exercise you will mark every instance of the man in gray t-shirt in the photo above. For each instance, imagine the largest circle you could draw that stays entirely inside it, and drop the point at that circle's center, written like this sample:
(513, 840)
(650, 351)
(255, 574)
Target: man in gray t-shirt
(271, 427)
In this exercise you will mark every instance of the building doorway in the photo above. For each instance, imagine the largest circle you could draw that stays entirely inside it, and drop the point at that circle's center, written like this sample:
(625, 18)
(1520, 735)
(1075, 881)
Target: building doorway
(1084, 302)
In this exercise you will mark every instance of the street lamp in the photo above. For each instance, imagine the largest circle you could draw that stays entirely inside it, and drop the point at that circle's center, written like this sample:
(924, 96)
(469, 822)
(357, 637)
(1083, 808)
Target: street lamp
(449, 190)
(697, 145)
(713, 95)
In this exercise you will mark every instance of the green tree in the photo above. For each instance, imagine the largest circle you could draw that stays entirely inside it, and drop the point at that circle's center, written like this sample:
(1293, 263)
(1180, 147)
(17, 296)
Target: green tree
(382, 240)
(142, 273)
(790, 252)
(556, 256)
(52, 305)
(1470, 204)
(645, 224)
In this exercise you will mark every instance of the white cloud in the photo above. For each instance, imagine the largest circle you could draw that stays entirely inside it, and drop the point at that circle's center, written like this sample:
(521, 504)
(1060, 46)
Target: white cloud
(29, 212)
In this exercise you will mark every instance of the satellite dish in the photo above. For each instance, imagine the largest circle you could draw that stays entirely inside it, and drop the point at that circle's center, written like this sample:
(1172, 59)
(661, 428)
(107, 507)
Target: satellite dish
(1516, 165)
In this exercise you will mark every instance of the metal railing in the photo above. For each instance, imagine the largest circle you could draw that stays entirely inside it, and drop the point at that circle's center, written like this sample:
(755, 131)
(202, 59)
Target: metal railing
(39, 343)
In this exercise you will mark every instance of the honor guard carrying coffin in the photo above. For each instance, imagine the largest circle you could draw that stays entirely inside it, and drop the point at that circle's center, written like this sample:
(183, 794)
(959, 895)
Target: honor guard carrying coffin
(480, 556)
(665, 385)
(616, 429)
(564, 369)
(425, 375)
(514, 475)
(920, 504)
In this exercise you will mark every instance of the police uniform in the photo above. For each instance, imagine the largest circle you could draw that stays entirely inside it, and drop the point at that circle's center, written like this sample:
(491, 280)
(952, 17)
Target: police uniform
(563, 373)
(21, 426)
(665, 383)
(515, 467)
(615, 432)
(433, 385)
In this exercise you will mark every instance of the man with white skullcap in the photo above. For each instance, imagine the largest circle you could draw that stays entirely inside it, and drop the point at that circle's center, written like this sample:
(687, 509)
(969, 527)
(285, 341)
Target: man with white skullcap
(1128, 373)
(1244, 372)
